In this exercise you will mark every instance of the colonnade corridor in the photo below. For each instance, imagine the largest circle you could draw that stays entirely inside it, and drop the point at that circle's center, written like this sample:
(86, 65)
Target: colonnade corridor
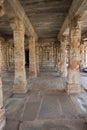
(43, 64)
(46, 106)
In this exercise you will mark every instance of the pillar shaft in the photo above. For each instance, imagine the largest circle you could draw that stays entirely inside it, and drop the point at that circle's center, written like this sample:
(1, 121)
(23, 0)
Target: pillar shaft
(85, 52)
(4, 65)
(73, 78)
(7, 57)
(59, 57)
(32, 58)
(63, 66)
(2, 110)
(82, 55)
(37, 57)
(19, 57)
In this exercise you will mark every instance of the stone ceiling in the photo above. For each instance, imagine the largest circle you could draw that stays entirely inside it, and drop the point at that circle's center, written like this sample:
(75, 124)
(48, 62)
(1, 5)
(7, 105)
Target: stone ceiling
(46, 17)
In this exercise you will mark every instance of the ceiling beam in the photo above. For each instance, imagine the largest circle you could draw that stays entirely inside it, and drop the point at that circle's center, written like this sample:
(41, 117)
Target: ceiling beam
(77, 8)
(20, 13)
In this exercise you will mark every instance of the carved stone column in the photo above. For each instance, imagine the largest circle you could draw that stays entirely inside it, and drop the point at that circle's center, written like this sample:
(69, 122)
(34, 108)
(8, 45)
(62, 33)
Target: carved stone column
(2, 110)
(82, 55)
(37, 56)
(63, 56)
(7, 55)
(59, 58)
(4, 65)
(40, 56)
(19, 56)
(73, 78)
(85, 51)
(32, 58)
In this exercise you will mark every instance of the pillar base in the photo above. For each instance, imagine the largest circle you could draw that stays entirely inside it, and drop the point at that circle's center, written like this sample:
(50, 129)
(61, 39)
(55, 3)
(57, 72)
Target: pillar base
(2, 119)
(15, 91)
(19, 89)
(73, 88)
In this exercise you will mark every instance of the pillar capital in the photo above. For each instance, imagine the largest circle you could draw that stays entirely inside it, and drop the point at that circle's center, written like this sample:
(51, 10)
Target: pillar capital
(76, 22)
(31, 39)
(63, 38)
(75, 31)
(1, 39)
(17, 25)
(2, 10)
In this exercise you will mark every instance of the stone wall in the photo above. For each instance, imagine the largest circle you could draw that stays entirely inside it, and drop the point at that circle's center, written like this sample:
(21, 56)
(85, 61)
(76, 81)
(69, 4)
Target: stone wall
(48, 54)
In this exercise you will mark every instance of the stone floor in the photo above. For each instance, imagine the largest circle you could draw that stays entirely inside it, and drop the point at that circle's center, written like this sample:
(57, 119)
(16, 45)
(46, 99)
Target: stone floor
(84, 80)
(45, 107)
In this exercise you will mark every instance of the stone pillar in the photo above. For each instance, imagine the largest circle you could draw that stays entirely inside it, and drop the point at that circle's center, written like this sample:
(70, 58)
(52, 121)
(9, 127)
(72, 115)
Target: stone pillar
(73, 78)
(2, 110)
(4, 65)
(7, 55)
(40, 57)
(32, 58)
(37, 56)
(85, 51)
(56, 57)
(82, 55)
(11, 54)
(63, 57)
(19, 56)
(59, 58)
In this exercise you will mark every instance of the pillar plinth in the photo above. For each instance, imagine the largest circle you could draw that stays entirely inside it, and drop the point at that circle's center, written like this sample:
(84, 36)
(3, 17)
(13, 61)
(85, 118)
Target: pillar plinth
(63, 56)
(32, 58)
(19, 57)
(73, 77)
(2, 110)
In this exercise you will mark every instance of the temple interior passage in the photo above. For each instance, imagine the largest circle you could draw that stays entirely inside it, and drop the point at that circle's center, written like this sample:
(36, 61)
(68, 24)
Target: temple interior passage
(45, 106)
(43, 64)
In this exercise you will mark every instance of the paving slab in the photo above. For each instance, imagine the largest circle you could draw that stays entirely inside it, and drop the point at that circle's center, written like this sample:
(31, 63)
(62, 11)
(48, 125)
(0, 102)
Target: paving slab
(68, 107)
(34, 96)
(11, 125)
(50, 108)
(30, 111)
(14, 108)
(55, 125)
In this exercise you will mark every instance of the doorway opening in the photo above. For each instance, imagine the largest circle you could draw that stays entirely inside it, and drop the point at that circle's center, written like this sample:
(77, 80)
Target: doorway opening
(27, 58)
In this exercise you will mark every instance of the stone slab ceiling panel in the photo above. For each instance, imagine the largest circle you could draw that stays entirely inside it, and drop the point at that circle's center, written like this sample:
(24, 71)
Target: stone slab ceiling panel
(46, 16)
